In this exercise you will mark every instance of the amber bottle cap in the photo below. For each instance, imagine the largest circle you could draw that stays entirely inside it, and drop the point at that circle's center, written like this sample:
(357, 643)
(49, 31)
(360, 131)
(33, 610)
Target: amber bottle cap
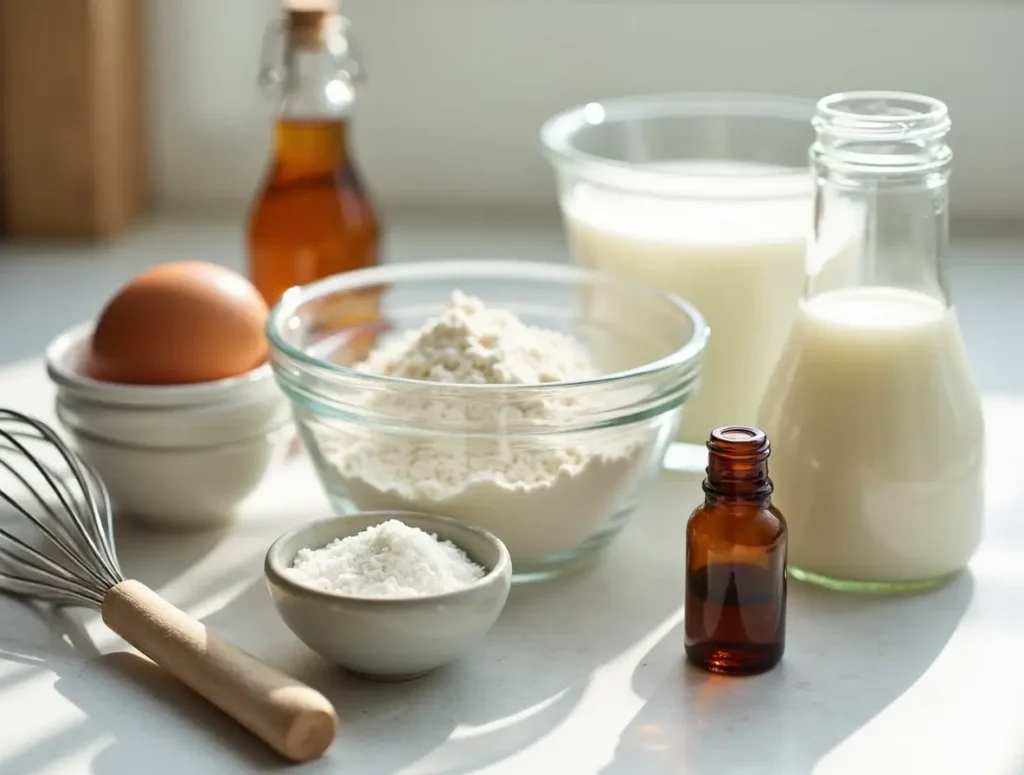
(743, 434)
(739, 441)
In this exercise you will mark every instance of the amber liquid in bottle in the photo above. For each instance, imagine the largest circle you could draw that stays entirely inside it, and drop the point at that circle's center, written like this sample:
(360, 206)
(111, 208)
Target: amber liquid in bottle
(735, 615)
(313, 217)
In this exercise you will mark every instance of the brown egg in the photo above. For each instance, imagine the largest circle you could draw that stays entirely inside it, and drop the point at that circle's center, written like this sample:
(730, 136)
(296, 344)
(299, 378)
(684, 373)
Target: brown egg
(180, 323)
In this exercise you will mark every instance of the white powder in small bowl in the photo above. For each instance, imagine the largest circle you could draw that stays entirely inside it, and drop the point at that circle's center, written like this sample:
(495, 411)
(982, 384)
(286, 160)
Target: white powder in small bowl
(388, 560)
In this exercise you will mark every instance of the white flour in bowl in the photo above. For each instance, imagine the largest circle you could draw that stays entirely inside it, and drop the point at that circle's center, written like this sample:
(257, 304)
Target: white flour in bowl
(540, 495)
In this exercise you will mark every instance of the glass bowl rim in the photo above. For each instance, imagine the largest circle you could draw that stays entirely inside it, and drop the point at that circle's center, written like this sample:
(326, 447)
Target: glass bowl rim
(684, 356)
(558, 131)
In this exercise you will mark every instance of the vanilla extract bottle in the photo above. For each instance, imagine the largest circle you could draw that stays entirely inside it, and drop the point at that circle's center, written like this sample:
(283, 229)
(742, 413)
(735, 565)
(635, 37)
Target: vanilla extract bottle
(735, 615)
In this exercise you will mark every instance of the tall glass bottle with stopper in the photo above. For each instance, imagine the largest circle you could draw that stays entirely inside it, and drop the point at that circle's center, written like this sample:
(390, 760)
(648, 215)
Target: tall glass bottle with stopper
(312, 216)
(873, 411)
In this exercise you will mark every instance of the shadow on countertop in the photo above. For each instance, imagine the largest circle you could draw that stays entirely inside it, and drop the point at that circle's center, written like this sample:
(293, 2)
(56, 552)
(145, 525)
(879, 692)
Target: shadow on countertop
(521, 683)
(143, 718)
(120, 695)
(514, 689)
(386, 727)
(784, 721)
(142, 551)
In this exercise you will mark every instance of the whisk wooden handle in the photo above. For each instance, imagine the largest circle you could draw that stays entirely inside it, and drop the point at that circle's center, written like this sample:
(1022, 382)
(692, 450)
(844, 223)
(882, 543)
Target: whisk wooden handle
(291, 717)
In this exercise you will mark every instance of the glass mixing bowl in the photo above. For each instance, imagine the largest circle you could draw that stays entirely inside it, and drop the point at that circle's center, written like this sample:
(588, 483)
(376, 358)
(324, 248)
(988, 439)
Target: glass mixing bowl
(556, 485)
(707, 196)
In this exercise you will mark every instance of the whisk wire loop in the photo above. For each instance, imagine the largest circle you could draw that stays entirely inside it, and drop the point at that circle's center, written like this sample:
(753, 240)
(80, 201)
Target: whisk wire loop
(51, 575)
(102, 528)
(63, 540)
(48, 593)
(58, 524)
(78, 564)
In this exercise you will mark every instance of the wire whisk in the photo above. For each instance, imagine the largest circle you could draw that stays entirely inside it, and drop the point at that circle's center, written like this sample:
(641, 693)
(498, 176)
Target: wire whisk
(64, 555)
(87, 547)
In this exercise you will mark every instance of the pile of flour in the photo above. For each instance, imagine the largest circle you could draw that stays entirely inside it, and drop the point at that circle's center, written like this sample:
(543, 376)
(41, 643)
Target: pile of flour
(540, 494)
(389, 560)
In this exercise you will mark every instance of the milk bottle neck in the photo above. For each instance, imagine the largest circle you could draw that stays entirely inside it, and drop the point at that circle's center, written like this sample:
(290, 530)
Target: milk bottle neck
(881, 212)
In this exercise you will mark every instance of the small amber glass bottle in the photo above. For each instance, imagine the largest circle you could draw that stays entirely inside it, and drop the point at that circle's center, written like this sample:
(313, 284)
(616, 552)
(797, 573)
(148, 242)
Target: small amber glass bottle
(735, 617)
(312, 216)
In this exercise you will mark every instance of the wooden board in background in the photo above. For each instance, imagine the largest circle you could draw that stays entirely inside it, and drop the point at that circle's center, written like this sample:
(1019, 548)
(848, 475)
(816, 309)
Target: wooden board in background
(72, 125)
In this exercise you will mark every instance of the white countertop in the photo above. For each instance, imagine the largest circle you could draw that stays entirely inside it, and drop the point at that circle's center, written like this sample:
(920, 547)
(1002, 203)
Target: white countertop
(582, 675)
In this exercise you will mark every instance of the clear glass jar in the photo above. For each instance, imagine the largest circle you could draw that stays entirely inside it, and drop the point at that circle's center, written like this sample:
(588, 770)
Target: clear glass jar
(706, 196)
(874, 414)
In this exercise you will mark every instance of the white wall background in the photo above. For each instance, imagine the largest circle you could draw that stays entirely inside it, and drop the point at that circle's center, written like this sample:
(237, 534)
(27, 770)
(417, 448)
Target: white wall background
(458, 88)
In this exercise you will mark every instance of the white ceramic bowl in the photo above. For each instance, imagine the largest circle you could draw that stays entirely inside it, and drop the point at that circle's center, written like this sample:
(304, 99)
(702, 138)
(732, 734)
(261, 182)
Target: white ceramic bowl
(174, 427)
(179, 456)
(390, 639)
(195, 488)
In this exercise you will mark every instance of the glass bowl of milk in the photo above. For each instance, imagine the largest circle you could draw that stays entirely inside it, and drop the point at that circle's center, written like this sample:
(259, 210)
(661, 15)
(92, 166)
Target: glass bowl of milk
(708, 197)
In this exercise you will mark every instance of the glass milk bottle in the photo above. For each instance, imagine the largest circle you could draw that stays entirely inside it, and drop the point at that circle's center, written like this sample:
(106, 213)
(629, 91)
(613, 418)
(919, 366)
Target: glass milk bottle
(873, 411)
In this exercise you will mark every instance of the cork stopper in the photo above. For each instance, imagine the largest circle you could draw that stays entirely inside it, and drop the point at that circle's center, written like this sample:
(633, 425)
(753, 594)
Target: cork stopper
(309, 22)
(312, 6)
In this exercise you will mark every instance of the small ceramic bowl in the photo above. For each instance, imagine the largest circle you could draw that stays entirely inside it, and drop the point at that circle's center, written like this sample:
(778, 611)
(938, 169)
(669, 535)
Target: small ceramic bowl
(175, 456)
(192, 488)
(390, 639)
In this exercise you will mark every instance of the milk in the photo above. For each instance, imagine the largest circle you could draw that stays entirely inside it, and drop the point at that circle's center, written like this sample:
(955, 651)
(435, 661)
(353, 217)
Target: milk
(739, 261)
(876, 429)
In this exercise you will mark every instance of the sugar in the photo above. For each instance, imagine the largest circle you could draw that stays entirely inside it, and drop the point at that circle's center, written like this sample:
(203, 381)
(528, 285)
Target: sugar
(388, 560)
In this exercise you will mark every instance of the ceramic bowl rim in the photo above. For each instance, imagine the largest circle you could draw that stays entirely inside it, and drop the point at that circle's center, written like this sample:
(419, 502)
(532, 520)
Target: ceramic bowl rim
(281, 429)
(273, 567)
(154, 396)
